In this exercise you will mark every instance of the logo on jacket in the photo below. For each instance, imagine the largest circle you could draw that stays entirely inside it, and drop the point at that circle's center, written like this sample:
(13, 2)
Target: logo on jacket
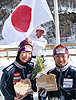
(9, 67)
(16, 77)
(28, 76)
(67, 83)
(17, 74)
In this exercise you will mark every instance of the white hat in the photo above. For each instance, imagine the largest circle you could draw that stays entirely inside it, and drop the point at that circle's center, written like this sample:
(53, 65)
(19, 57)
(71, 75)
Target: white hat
(41, 28)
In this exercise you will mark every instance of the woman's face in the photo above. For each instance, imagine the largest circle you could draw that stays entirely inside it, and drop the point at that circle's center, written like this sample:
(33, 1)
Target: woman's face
(25, 56)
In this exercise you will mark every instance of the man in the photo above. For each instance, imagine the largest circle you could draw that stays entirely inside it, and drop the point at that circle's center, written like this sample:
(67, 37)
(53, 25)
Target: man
(65, 76)
(38, 43)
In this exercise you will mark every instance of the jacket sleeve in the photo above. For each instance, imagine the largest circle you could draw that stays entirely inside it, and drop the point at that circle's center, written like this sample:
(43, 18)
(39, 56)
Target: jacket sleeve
(3, 87)
(34, 85)
(33, 81)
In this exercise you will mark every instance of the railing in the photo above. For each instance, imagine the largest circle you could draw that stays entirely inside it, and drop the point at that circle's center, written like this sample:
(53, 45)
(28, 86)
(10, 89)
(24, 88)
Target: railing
(48, 47)
(7, 52)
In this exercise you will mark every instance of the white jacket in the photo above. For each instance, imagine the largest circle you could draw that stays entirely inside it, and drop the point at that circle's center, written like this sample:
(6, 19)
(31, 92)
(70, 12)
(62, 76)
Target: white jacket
(38, 45)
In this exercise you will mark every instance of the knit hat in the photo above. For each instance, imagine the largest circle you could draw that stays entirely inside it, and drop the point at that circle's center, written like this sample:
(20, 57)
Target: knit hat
(41, 28)
(60, 49)
(25, 46)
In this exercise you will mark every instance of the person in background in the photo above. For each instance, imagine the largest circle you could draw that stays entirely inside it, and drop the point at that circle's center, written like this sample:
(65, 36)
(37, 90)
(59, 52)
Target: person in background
(39, 43)
(21, 68)
(65, 76)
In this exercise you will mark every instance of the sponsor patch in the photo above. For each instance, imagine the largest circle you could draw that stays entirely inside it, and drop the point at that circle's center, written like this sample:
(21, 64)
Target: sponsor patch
(28, 75)
(9, 67)
(28, 48)
(16, 79)
(67, 83)
(17, 74)
(60, 50)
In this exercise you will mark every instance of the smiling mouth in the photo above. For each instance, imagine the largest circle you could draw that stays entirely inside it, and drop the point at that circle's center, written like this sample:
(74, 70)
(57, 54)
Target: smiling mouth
(26, 59)
(61, 63)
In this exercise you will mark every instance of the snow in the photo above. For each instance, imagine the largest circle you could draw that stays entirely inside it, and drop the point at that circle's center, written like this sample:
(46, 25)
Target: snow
(49, 61)
(68, 9)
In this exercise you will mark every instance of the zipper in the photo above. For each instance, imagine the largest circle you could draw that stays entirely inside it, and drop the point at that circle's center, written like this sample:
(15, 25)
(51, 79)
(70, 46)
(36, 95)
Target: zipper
(23, 73)
(59, 81)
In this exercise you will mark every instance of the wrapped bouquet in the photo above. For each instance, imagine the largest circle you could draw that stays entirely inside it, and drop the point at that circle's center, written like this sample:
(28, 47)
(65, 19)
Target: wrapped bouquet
(24, 86)
(38, 67)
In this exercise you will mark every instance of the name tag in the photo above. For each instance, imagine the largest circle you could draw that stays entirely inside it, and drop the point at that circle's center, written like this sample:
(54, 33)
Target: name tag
(67, 83)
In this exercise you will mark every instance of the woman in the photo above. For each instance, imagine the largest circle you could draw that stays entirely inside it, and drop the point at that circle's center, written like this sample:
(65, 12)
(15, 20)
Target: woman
(21, 68)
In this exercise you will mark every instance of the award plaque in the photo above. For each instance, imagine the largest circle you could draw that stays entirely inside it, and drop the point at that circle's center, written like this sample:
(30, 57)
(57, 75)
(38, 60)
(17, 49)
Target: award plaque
(23, 87)
(48, 82)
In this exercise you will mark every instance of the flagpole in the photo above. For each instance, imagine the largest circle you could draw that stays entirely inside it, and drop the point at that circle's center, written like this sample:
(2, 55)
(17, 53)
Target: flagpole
(56, 22)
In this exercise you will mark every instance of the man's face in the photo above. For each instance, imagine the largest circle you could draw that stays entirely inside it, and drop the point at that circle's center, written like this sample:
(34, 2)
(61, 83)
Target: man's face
(61, 59)
(39, 33)
(25, 56)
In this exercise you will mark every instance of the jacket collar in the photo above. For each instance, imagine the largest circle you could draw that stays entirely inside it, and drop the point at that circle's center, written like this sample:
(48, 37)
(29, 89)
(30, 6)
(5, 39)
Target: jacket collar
(19, 65)
(63, 68)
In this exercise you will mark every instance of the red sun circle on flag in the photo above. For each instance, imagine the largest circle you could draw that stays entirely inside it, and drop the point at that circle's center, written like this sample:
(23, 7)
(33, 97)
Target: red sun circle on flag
(21, 18)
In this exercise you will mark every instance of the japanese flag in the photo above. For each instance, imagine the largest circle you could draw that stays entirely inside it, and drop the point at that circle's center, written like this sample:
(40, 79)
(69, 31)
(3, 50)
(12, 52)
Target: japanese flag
(24, 19)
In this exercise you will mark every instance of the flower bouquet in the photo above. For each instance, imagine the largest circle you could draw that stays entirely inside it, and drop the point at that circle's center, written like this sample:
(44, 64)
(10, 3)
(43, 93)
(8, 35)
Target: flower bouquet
(38, 67)
(24, 86)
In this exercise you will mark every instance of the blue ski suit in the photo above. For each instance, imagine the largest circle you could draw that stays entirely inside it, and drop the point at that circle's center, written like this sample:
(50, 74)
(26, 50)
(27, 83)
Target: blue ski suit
(9, 78)
(66, 83)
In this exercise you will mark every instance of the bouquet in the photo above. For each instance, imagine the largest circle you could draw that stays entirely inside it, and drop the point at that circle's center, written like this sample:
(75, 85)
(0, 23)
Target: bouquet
(24, 86)
(38, 67)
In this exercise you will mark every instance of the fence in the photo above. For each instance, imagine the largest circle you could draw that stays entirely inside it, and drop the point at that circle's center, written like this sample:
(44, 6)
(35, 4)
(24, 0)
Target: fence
(7, 52)
(48, 47)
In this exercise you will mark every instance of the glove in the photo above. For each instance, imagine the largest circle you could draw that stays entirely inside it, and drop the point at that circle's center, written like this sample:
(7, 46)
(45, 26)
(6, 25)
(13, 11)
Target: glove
(42, 93)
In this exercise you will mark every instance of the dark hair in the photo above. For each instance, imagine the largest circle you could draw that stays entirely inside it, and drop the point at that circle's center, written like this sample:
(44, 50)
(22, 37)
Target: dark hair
(18, 59)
